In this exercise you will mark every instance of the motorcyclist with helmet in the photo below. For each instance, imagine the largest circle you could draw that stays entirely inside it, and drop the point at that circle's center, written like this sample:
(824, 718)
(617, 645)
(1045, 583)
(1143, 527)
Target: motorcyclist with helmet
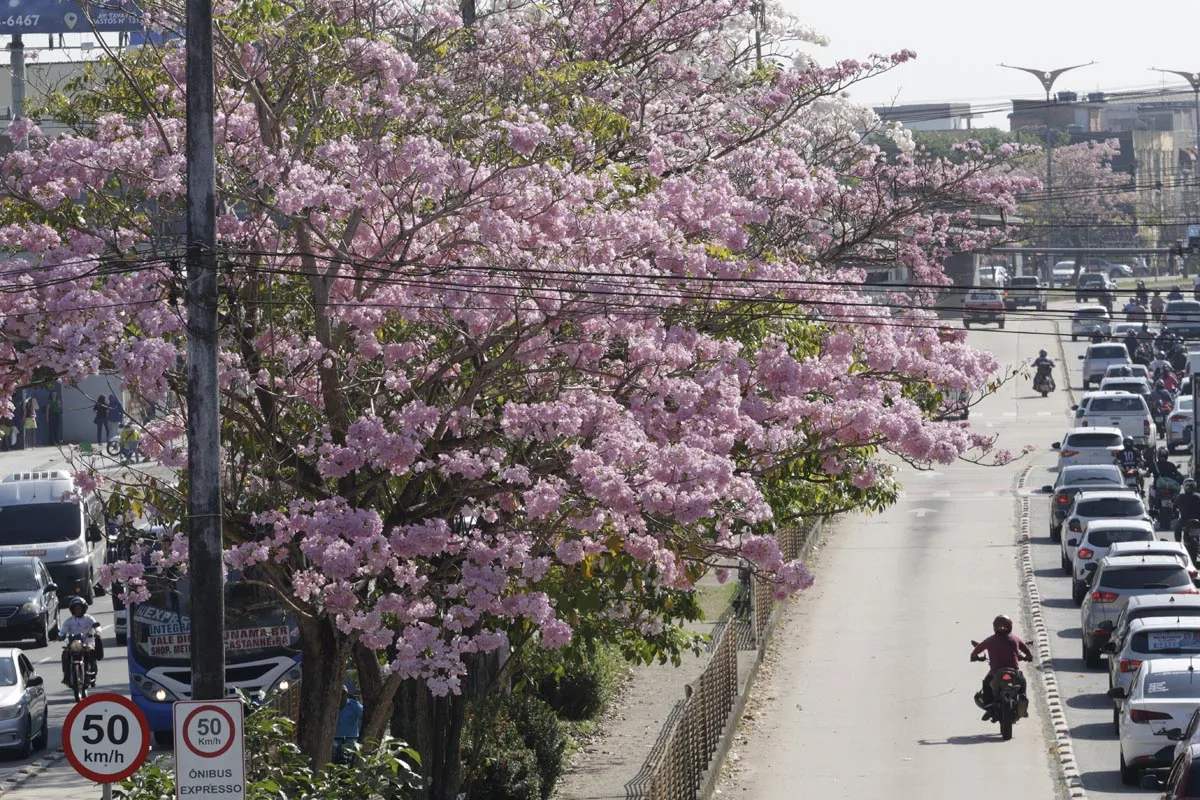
(1163, 467)
(1004, 651)
(1044, 368)
(1130, 457)
(1188, 506)
(83, 624)
(1175, 293)
(1141, 294)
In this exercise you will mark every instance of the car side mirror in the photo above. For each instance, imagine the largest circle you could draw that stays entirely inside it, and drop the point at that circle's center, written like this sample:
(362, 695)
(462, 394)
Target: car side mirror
(1116, 693)
(35, 680)
(1081, 358)
(1056, 446)
(1075, 407)
(94, 534)
(51, 587)
(1107, 625)
(1047, 489)
(96, 625)
(1151, 781)
(1175, 734)
(1108, 647)
(1072, 542)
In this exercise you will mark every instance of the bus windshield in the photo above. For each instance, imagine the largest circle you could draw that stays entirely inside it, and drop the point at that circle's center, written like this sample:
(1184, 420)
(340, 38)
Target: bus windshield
(256, 625)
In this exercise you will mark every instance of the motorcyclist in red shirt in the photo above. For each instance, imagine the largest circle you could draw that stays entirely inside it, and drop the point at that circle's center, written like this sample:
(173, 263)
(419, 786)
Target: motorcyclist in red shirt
(1004, 651)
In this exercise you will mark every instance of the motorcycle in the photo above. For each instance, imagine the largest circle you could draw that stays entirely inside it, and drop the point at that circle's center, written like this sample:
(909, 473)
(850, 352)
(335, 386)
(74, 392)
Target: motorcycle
(1133, 480)
(1043, 381)
(1010, 702)
(1160, 411)
(1162, 501)
(1191, 537)
(81, 671)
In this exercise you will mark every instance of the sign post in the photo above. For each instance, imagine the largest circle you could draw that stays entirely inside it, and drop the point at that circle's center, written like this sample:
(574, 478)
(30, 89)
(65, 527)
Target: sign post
(210, 751)
(106, 738)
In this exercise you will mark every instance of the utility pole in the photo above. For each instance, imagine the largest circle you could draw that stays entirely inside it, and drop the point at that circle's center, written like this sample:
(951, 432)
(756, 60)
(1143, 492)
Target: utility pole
(1193, 78)
(758, 10)
(203, 395)
(17, 62)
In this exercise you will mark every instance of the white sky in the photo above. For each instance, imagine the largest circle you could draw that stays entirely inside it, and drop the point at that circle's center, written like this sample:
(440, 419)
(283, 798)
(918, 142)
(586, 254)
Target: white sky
(959, 45)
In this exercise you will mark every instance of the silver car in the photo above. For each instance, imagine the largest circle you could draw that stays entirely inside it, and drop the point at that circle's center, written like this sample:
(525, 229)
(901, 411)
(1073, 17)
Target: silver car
(24, 716)
(29, 605)
(1118, 580)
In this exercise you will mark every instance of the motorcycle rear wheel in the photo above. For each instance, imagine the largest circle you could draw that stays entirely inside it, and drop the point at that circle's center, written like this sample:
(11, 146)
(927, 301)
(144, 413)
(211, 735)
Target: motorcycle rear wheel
(1006, 721)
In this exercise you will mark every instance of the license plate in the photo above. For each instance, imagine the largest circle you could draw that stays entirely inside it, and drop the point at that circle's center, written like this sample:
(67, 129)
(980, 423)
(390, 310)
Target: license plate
(34, 553)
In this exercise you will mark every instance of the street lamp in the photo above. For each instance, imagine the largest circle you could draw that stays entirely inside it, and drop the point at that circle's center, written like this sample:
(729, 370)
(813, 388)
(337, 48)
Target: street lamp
(1047, 78)
(1192, 78)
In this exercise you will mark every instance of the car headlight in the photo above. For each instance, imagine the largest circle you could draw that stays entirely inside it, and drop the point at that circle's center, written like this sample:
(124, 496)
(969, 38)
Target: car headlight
(75, 550)
(12, 712)
(30, 607)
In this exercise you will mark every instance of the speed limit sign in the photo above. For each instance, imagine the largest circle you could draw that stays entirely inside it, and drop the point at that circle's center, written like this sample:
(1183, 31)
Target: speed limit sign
(106, 738)
(210, 757)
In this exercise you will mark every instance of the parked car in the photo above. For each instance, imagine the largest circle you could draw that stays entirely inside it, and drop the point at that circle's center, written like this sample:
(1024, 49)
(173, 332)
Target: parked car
(1073, 479)
(24, 712)
(983, 306)
(1099, 357)
(1127, 412)
(1094, 286)
(1117, 582)
(1100, 535)
(1106, 504)
(1089, 320)
(1162, 695)
(1180, 422)
(1103, 266)
(29, 604)
(1025, 290)
(1182, 318)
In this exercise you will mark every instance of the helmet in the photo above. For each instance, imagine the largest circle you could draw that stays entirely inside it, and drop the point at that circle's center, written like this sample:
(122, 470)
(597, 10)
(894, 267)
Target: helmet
(1158, 384)
(77, 601)
(1128, 442)
(1162, 454)
(1041, 354)
(1002, 624)
(1189, 486)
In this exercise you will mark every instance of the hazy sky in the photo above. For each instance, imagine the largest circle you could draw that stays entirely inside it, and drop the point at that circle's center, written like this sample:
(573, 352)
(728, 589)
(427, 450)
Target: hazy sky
(959, 45)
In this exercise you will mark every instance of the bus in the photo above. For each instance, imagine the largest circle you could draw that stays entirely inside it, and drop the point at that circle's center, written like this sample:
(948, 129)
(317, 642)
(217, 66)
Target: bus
(262, 646)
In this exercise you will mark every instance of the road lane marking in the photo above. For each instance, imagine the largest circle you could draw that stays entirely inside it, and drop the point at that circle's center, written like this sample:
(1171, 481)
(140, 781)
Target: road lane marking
(921, 512)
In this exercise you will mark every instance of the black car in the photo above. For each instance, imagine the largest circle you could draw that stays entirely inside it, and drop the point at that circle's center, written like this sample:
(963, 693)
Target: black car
(1094, 285)
(1182, 318)
(28, 600)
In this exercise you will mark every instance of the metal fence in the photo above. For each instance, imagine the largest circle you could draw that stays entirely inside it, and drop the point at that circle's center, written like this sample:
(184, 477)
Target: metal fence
(690, 746)
(285, 703)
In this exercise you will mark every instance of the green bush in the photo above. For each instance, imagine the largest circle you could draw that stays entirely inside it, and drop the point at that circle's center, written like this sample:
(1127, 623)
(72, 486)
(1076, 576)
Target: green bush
(576, 683)
(501, 765)
(279, 771)
(538, 725)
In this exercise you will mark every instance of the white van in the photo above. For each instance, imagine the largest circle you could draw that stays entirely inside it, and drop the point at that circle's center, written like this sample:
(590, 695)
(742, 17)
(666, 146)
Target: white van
(41, 515)
(1128, 412)
(1099, 357)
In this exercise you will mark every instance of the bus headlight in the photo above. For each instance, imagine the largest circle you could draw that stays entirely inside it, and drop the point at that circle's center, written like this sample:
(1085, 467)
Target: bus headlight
(152, 690)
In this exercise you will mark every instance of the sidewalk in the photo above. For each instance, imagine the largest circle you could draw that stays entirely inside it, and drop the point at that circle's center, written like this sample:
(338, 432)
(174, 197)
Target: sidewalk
(57, 783)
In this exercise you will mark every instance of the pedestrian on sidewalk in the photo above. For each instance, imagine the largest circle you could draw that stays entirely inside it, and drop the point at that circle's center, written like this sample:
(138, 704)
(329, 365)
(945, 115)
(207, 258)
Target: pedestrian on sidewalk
(349, 725)
(100, 409)
(54, 417)
(116, 412)
(30, 422)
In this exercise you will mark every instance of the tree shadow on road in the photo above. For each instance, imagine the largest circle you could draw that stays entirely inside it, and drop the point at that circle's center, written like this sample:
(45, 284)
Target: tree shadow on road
(1094, 702)
(1094, 731)
(1058, 602)
(978, 738)
(1070, 633)
(1108, 781)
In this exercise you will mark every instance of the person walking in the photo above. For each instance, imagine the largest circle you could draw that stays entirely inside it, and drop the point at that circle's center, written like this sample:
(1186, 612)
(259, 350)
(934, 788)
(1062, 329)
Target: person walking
(100, 409)
(54, 417)
(116, 412)
(349, 725)
(30, 422)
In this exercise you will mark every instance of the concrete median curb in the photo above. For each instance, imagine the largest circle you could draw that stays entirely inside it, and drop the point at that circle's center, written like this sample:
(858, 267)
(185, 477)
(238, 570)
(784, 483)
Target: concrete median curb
(29, 772)
(1064, 748)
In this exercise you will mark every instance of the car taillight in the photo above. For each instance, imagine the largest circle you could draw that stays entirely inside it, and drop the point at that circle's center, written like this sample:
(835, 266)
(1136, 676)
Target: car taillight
(1083, 423)
(1146, 426)
(1142, 717)
(1188, 590)
(1074, 526)
(1062, 499)
(1128, 665)
(1104, 597)
(1068, 453)
(1178, 418)
(1085, 553)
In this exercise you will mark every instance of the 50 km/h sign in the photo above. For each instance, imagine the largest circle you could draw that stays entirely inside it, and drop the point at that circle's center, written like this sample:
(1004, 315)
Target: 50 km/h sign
(106, 738)
(210, 754)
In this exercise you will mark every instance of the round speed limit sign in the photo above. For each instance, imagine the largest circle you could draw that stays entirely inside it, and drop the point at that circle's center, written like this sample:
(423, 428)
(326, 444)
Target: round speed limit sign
(106, 738)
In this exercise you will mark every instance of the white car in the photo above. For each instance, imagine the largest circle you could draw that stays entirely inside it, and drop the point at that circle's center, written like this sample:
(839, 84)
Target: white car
(1098, 537)
(1089, 506)
(1127, 371)
(1086, 320)
(1088, 446)
(1179, 423)
(1122, 410)
(1099, 357)
(1163, 694)
(1147, 639)
(1157, 547)
(1121, 329)
(1070, 481)
(1130, 385)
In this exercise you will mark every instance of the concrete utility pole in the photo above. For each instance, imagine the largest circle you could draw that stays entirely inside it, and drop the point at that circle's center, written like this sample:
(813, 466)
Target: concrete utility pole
(204, 433)
(17, 62)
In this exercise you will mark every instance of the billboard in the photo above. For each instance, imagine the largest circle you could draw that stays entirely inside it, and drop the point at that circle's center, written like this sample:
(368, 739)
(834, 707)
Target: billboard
(66, 16)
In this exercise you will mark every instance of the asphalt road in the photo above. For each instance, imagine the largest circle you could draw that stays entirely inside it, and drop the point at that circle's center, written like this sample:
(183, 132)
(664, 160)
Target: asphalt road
(870, 694)
(113, 675)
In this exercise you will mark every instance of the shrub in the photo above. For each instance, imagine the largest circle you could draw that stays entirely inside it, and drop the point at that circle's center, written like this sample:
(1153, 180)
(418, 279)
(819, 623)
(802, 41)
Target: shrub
(576, 683)
(538, 725)
(501, 766)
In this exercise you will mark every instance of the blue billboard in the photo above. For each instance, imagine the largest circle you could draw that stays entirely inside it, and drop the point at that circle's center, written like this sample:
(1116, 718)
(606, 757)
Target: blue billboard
(66, 16)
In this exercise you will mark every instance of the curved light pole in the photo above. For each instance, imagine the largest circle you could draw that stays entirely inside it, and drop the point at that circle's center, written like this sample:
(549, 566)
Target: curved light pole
(1047, 78)
(1193, 78)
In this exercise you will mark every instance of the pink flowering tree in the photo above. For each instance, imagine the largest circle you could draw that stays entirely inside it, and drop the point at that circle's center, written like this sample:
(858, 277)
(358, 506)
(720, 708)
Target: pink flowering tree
(527, 323)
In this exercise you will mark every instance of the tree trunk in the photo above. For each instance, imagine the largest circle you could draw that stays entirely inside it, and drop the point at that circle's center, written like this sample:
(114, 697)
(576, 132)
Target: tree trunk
(377, 693)
(433, 727)
(322, 670)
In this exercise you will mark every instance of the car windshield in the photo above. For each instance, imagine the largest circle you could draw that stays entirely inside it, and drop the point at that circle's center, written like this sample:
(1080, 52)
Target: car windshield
(980, 296)
(39, 523)
(1109, 537)
(1091, 313)
(1183, 307)
(1145, 577)
(1094, 440)
(1167, 641)
(18, 578)
(1116, 404)
(1152, 612)
(1172, 684)
(1109, 351)
(1111, 507)
(1133, 387)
